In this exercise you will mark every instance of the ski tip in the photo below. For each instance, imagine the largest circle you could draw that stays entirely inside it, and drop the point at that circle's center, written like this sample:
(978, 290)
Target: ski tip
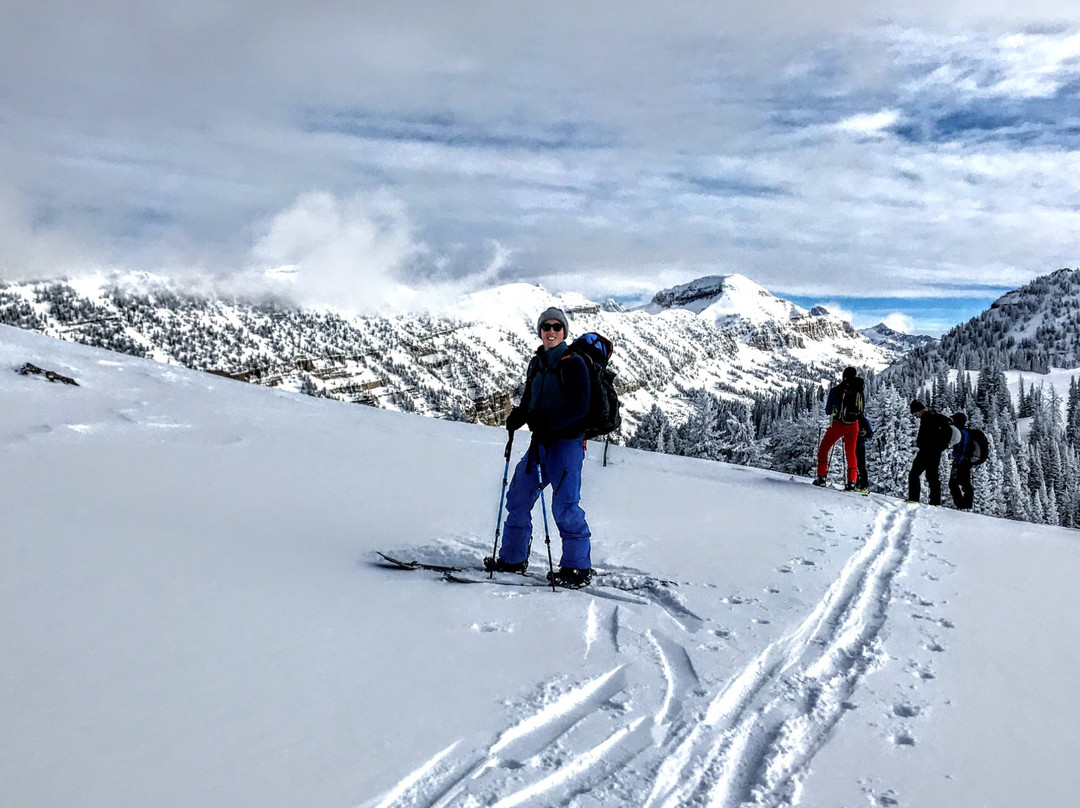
(395, 562)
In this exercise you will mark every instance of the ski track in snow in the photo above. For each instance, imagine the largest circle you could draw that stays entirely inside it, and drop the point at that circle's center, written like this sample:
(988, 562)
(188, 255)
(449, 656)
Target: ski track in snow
(650, 733)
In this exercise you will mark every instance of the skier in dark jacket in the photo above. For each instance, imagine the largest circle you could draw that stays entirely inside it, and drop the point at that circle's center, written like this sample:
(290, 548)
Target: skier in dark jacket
(963, 493)
(866, 431)
(555, 400)
(842, 426)
(935, 435)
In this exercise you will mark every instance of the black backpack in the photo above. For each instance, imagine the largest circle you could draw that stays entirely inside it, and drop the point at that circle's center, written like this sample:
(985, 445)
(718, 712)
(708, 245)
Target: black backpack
(603, 415)
(978, 447)
(851, 401)
(943, 431)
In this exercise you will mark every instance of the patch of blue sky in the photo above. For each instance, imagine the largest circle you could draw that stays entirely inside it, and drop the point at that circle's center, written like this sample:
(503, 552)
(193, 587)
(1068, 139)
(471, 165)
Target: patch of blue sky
(1051, 121)
(451, 129)
(929, 315)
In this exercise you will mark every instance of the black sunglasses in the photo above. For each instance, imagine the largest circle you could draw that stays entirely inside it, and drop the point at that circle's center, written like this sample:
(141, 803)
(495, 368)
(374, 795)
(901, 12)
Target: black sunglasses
(551, 327)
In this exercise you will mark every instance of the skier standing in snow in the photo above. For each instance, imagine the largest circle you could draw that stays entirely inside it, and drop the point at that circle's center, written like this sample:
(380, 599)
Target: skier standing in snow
(935, 435)
(844, 406)
(960, 486)
(866, 431)
(555, 400)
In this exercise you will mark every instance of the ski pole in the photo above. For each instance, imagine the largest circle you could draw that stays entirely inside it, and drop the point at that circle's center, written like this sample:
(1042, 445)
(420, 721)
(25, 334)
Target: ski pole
(502, 496)
(547, 532)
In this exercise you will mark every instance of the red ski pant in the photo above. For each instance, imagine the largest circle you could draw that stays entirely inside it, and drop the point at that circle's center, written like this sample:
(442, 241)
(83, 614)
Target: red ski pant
(850, 435)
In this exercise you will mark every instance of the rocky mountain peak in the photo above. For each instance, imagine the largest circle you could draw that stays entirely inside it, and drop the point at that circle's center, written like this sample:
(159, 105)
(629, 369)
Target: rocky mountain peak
(898, 341)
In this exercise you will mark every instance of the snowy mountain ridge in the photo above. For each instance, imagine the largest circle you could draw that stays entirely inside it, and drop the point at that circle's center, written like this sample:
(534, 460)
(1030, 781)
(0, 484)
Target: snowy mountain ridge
(723, 296)
(726, 335)
(754, 315)
(894, 340)
(1035, 328)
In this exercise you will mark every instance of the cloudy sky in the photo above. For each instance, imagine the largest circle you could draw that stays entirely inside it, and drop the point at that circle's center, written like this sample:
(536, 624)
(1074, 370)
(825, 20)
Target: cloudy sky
(909, 159)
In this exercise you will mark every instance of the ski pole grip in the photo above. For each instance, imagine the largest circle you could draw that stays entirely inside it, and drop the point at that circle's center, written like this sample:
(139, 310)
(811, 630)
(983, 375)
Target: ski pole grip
(509, 444)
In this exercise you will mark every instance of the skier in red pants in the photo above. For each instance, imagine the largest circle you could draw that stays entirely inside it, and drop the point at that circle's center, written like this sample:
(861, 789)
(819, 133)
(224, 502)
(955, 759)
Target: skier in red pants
(843, 406)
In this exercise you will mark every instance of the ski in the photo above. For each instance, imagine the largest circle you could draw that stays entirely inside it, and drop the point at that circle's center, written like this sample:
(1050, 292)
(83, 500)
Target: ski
(531, 582)
(616, 584)
(416, 565)
(621, 580)
(523, 579)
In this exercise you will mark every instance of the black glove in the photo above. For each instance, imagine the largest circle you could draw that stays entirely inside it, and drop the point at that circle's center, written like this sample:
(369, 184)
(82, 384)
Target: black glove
(538, 424)
(516, 419)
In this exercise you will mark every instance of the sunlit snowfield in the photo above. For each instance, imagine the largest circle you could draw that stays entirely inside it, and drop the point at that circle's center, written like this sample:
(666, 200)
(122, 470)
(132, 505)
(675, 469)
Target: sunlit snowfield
(192, 613)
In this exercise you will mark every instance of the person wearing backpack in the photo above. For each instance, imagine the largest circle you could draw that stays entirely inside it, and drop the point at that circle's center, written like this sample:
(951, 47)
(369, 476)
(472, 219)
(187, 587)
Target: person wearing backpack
(866, 431)
(935, 436)
(960, 487)
(969, 452)
(844, 406)
(555, 400)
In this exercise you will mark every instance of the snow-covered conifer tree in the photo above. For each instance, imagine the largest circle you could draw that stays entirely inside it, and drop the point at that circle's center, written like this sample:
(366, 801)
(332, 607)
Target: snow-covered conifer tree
(647, 434)
(737, 441)
(891, 450)
(700, 435)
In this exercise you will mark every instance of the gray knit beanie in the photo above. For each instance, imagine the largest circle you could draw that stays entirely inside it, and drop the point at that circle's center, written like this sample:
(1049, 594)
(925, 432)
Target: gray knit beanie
(553, 314)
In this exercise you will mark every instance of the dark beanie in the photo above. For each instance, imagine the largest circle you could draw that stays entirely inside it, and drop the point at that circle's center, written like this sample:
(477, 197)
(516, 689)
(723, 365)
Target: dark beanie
(917, 406)
(960, 419)
(850, 373)
(553, 314)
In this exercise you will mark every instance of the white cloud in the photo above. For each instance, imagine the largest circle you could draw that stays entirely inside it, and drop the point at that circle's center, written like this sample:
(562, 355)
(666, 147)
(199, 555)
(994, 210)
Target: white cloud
(871, 123)
(28, 251)
(898, 321)
(358, 254)
(349, 253)
(842, 312)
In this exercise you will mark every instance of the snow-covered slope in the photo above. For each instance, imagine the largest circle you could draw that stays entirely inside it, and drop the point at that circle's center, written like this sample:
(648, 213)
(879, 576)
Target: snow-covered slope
(191, 614)
(463, 365)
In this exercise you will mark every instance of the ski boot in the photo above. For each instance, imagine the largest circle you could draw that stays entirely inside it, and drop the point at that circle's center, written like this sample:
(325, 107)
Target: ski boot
(498, 565)
(570, 578)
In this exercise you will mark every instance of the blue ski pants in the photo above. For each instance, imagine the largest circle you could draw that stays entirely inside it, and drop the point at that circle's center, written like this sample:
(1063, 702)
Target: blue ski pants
(556, 463)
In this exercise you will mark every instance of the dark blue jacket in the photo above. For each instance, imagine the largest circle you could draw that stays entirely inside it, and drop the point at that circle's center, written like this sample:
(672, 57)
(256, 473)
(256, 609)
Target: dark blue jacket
(832, 402)
(556, 393)
(960, 450)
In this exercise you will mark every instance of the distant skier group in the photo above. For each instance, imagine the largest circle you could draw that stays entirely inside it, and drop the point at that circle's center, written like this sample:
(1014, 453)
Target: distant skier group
(844, 408)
